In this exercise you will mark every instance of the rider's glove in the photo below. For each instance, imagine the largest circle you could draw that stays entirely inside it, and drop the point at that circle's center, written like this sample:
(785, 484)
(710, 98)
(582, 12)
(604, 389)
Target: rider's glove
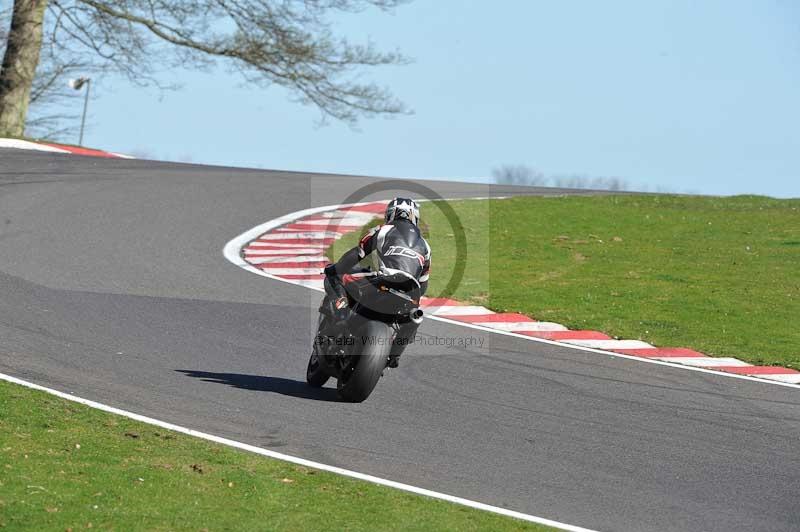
(341, 308)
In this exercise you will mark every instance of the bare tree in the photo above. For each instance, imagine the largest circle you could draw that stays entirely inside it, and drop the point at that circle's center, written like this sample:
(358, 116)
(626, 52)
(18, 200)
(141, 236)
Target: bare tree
(520, 174)
(588, 182)
(288, 43)
(20, 60)
(49, 94)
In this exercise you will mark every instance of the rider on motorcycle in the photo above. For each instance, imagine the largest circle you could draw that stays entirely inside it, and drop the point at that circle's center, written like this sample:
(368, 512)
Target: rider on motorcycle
(399, 248)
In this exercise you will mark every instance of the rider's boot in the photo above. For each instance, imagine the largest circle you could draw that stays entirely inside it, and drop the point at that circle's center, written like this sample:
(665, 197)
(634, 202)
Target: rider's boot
(405, 335)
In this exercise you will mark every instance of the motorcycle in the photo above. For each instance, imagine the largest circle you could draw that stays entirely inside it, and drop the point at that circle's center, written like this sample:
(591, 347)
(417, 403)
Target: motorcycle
(356, 350)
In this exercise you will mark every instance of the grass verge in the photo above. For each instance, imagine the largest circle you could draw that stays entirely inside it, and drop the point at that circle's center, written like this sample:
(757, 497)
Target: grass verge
(65, 466)
(720, 275)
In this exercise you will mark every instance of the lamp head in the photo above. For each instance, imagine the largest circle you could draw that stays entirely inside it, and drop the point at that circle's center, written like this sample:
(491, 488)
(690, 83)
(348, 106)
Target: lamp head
(77, 83)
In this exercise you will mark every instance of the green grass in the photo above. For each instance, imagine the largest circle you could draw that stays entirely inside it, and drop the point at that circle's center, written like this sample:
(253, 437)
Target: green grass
(720, 275)
(64, 466)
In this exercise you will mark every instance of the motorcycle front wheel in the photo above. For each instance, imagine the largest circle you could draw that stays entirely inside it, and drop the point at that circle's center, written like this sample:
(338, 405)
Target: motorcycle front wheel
(316, 375)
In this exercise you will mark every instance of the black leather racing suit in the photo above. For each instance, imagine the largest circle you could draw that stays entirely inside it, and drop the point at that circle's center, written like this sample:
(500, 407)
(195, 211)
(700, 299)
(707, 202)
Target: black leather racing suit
(398, 245)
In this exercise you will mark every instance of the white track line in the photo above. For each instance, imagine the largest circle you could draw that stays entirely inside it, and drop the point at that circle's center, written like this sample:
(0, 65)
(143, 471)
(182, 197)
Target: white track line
(304, 235)
(232, 248)
(708, 362)
(792, 378)
(539, 326)
(317, 284)
(27, 145)
(646, 360)
(611, 344)
(466, 310)
(283, 252)
(345, 215)
(231, 252)
(289, 246)
(293, 271)
(30, 145)
(293, 459)
(294, 258)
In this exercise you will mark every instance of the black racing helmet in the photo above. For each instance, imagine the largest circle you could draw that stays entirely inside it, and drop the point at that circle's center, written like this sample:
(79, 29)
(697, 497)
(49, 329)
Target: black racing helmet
(402, 209)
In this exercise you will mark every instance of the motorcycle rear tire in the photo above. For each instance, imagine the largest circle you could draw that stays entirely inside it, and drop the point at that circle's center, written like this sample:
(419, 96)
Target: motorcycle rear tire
(374, 342)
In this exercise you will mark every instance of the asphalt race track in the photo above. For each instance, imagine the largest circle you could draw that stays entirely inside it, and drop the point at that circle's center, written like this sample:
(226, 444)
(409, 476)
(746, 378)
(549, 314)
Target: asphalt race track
(113, 287)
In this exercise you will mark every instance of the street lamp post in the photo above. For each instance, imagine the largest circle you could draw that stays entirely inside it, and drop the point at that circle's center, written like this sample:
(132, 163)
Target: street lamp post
(77, 84)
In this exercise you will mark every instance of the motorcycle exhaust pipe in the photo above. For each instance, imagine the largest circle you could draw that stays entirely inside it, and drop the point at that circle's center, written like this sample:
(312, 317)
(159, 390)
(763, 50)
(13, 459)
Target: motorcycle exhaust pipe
(416, 315)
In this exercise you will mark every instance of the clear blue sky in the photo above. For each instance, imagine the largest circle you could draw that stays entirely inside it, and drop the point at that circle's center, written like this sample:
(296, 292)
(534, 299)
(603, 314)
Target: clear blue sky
(691, 96)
